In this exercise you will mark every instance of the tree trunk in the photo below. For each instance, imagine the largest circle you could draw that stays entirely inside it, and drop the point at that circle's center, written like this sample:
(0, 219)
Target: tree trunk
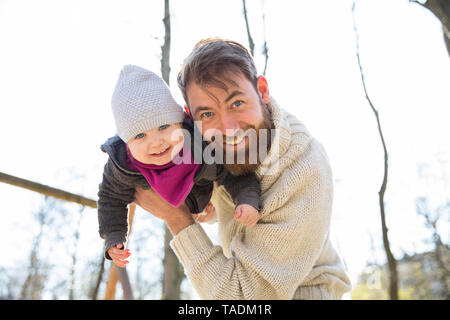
(95, 290)
(250, 39)
(74, 257)
(265, 48)
(165, 48)
(37, 273)
(173, 271)
(122, 275)
(441, 250)
(441, 9)
(392, 263)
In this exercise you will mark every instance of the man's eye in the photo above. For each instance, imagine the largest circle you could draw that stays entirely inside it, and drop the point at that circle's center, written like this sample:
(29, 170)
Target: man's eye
(206, 115)
(164, 126)
(140, 136)
(237, 103)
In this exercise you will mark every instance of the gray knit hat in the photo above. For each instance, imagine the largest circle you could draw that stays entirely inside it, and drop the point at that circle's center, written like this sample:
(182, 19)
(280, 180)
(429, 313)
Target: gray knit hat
(142, 101)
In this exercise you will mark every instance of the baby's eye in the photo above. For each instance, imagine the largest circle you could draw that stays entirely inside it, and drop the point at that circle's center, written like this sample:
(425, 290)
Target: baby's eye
(164, 126)
(140, 136)
(237, 103)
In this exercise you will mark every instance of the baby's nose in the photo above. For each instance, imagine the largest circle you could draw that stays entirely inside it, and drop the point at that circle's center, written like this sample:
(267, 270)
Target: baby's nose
(156, 145)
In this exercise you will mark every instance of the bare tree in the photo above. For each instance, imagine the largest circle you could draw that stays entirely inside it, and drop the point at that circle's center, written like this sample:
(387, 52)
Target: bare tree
(392, 262)
(76, 238)
(441, 250)
(165, 48)
(10, 284)
(125, 283)
(37, 270)
(173, 271)
(143, 286)
(249, 35)
(101, 270)
(441, 9)
(265, 49)
(251, 43)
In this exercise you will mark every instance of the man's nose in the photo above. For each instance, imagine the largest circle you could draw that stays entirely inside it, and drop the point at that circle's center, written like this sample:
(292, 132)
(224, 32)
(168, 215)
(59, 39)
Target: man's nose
(228, 125)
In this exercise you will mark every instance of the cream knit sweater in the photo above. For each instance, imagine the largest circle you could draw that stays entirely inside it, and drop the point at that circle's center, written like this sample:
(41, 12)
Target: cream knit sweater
(288, 254)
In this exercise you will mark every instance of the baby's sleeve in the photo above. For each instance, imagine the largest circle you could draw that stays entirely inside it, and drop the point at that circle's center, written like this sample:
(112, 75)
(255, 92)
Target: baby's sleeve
(244, 189)
(199, 196)
(113, 199)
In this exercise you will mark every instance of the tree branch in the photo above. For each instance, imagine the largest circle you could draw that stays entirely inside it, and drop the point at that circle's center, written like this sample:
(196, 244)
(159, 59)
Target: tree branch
(265, 48)
(392, 263)
(441, 10)
(250, 39)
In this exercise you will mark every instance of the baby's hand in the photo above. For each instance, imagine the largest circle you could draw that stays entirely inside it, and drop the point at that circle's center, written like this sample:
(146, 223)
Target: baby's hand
(246, 214)
(118, 255)
(208, 214)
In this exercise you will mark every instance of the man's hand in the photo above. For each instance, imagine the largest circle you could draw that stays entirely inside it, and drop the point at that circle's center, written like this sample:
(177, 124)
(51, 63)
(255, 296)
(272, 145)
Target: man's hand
(246, 214)
(176, 218)
(118, 255)
(207, 215)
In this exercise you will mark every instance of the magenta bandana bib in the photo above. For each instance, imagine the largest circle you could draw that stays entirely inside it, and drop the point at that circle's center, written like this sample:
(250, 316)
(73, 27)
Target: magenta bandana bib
(173, 182)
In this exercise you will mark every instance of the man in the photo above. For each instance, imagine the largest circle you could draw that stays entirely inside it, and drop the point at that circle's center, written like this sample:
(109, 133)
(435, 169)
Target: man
(287, 254)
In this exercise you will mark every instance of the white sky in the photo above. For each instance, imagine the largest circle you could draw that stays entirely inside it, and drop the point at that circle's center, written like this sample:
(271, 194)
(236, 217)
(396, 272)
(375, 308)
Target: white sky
(59, 61)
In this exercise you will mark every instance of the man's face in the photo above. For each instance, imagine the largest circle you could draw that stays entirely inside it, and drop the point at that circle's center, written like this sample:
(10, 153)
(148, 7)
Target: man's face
(232, 112)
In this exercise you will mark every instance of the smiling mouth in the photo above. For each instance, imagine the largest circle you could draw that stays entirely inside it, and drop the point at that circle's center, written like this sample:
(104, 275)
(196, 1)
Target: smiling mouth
(161, 153)
(234, 140)
(236, 143)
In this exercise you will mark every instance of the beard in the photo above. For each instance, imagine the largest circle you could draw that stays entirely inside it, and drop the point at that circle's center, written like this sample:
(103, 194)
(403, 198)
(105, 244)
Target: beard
(238, 169)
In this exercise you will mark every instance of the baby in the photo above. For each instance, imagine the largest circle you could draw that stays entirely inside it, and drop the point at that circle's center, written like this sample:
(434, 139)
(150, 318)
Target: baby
(147, 152)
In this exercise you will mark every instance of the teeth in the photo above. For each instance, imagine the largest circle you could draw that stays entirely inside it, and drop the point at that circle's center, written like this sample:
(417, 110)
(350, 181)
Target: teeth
(161, 152)
(237, 140)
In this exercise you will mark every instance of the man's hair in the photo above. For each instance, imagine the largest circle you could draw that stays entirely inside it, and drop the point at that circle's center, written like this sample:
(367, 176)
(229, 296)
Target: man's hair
(212, 60)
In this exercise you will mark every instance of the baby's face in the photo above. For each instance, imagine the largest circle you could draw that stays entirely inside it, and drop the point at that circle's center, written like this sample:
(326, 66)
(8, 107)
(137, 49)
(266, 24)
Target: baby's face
(158, 145)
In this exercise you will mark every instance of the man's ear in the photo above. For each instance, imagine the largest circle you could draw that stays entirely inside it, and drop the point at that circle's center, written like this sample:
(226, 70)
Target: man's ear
(263, 89)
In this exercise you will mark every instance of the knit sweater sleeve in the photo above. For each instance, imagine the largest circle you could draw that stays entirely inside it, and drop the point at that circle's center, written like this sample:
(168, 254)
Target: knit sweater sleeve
(271, 259)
